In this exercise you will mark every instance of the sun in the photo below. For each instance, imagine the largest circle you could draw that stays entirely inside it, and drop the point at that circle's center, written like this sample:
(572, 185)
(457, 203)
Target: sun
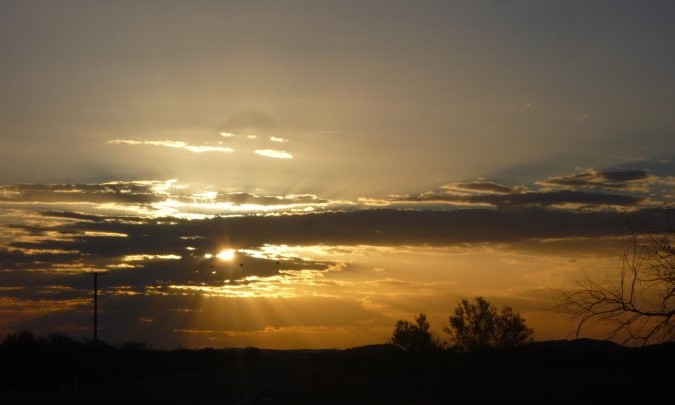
(227, 254)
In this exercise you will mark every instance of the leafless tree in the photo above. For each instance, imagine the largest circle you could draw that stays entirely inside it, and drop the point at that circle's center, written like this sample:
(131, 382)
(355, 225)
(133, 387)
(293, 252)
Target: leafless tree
(639, 306)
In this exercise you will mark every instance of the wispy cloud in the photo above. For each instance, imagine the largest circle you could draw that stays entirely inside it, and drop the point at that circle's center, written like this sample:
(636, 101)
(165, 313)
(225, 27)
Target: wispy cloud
(600, 190)
(560, 199)
(113, 192)
(174, 145)
(477, 187)
(272, 153)
(153, 199)
(630, 179)
(250, 141)
(151, 219)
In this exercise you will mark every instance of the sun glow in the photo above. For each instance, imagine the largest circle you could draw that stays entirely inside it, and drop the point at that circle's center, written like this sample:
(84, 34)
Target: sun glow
(227, 254)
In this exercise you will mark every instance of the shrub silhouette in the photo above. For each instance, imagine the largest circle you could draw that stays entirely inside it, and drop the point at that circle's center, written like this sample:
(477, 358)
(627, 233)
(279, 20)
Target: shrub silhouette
(414, 336)
(23, 340)
(480, 326)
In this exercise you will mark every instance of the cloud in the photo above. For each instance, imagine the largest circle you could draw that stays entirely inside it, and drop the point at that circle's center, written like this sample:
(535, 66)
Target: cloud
(381, 227)
(492, 195)
(619, 189)
(119, 192)
(18, 259)
(62, 240)
(559, 198)
(478, 186)
(247, 141)
(276, 154)
(147, 198)
(152, 224)
(633, 179)
(174, 145)
(249, 198)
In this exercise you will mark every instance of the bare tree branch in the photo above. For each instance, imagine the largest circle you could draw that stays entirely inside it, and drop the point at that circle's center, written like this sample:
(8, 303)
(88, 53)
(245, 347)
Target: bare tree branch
(640, 309)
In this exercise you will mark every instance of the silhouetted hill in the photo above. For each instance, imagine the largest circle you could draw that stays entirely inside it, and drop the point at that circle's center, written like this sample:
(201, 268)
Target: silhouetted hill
(383, 349)
(577, 345)
(61, 370)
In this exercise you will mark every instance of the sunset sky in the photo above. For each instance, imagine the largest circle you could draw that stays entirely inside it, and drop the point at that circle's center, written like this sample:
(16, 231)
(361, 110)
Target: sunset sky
(301, 174)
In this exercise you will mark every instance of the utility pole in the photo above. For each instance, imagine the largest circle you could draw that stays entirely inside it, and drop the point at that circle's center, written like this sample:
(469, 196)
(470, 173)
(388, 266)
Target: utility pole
(96, 274)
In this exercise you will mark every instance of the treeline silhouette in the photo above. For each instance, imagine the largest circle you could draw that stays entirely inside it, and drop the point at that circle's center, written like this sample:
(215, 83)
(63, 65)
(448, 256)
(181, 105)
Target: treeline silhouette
(472, 327)
(60, 369)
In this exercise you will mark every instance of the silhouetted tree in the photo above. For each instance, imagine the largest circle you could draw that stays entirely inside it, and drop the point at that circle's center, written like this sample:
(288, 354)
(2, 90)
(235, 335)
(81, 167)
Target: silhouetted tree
(414, 336)
(19, 341)
(480, 326)
(640, 305)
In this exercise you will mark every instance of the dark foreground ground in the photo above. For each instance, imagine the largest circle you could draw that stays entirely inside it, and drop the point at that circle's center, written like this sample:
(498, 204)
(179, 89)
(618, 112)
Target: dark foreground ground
(63, 371)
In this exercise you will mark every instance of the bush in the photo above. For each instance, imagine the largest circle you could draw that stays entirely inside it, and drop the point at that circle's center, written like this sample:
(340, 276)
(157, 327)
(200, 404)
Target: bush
(414, 336)
(480, 326)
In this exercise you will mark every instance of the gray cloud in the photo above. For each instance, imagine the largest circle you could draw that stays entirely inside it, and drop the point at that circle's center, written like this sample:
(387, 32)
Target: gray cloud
(590, 190)
(542, 199)
(546, 199)
(479, 186)
(607, 179)
(135, 193)
(248, 198)
(375, 227)
(120, 192)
